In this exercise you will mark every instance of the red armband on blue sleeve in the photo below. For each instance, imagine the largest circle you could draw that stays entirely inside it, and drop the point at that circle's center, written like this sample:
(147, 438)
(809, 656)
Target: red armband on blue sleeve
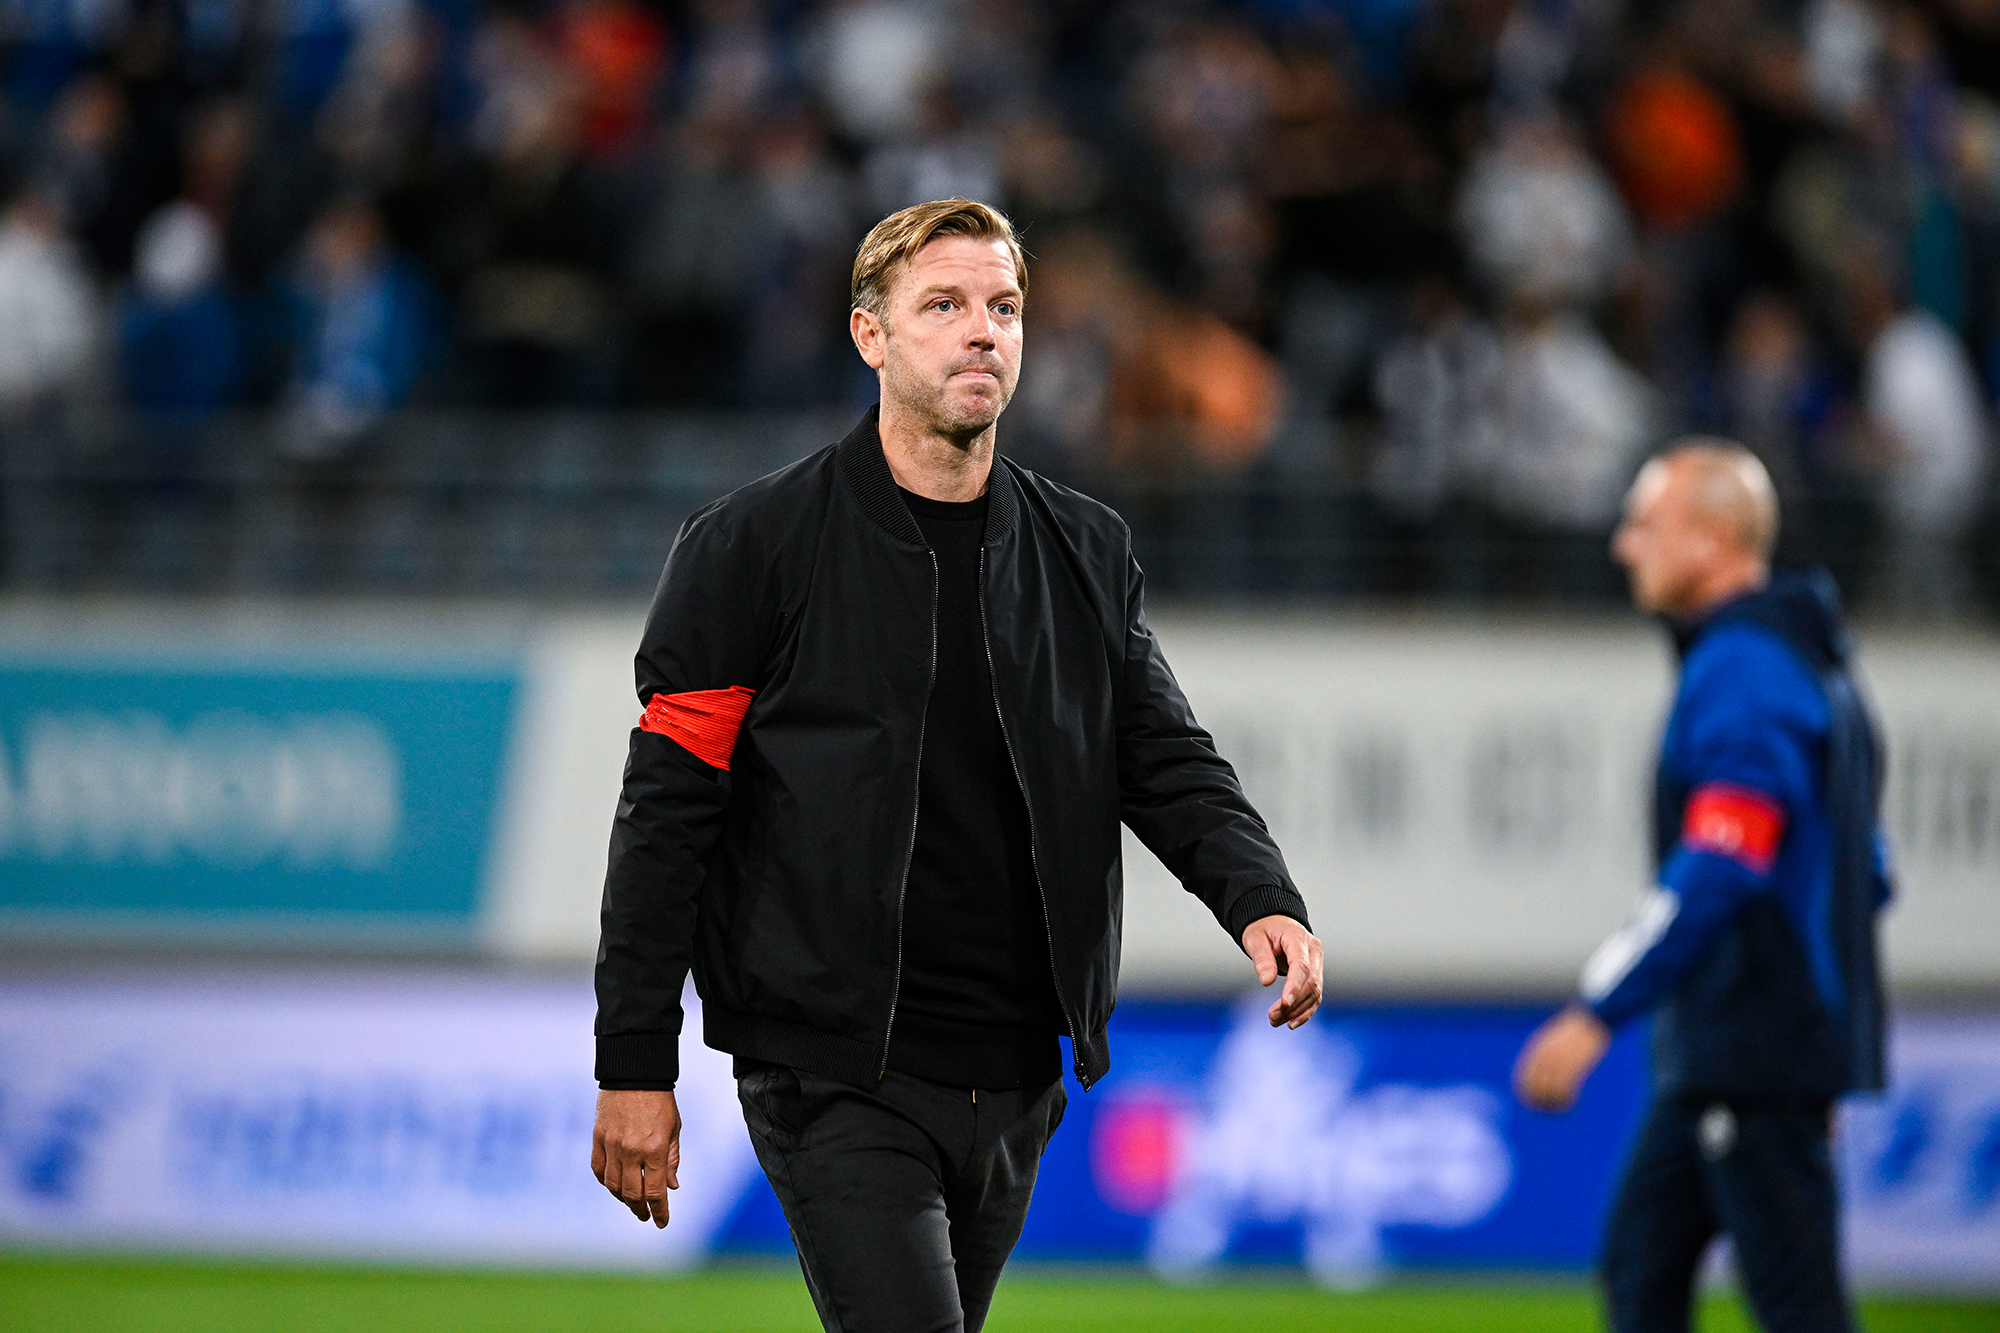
(1740, 823)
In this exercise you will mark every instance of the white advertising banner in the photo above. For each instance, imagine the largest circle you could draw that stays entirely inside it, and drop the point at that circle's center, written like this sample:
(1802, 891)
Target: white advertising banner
(1464, 803)
(1920, 1165)
(1468, 806)
(391, 1119)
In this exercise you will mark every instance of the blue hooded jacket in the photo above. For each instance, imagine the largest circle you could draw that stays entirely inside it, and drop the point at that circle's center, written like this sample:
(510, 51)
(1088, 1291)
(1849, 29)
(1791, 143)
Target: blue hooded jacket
(1757, 950)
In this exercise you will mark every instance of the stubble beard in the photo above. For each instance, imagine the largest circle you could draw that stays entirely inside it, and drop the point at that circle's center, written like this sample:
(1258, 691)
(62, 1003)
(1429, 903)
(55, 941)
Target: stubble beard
(931, 401)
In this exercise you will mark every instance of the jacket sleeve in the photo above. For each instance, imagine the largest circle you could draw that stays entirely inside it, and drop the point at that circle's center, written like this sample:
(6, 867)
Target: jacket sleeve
(703, 633)
(1749, 762)
(1182, 798)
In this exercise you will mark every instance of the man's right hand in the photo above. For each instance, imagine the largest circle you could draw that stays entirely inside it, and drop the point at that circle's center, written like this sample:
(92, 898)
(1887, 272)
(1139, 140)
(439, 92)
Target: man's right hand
(635, 1150)
(1558, 1058)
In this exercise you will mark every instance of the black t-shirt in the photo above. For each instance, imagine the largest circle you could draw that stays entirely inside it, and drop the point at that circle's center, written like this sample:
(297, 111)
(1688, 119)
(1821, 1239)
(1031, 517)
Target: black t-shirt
(976, 1004)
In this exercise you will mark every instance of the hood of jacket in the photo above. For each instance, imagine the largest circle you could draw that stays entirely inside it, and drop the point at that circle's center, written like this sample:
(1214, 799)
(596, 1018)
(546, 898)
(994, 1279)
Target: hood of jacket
(1801, 607)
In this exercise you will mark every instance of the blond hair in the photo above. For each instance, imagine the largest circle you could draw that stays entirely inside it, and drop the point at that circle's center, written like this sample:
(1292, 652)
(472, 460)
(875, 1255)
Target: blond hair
(895, 240)
(1732, 488)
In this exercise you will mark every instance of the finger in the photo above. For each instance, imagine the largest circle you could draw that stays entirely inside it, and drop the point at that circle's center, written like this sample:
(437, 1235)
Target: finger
(653, 1189)
(597, 1157)
(1297, 1005)
(656, 1195)
(614, 1172)
(632, 1176)
(1307, 1005)
(1261, 959)
(673, 1172)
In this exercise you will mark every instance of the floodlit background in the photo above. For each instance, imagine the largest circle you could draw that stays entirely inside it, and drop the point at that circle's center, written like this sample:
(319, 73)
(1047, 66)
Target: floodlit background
(359, 359)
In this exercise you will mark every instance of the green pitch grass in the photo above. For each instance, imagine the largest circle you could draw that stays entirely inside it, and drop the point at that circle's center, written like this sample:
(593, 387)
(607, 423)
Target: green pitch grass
(75, 1294)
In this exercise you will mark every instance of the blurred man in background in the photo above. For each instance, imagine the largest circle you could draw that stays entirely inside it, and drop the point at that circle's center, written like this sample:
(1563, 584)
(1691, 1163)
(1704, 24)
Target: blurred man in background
(898, 698)
(1757, 950)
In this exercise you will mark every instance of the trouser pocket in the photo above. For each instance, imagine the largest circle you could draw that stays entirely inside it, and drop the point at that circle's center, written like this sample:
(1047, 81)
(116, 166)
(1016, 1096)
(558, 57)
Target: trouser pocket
(773, 1107)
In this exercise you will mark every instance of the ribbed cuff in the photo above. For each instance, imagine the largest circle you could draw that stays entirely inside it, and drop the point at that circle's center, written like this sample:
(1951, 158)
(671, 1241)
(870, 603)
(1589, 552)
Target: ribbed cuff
(638, 1060)
(1258, 903)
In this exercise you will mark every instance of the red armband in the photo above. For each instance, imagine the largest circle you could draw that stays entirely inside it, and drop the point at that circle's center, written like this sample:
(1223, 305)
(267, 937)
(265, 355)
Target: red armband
(703, 722)
(1736, 822)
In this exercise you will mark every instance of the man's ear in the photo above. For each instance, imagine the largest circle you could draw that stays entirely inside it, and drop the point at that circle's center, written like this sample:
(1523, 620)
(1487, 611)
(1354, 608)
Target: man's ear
(870, 338)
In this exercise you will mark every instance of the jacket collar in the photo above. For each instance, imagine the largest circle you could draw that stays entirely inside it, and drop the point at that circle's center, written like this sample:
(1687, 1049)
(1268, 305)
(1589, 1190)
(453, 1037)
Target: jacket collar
(874, 485)
(1802, 608)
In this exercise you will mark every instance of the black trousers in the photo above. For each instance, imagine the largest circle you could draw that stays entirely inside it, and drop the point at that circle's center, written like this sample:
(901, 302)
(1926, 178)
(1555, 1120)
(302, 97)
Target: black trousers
(1760, 1172)
(905, 1200)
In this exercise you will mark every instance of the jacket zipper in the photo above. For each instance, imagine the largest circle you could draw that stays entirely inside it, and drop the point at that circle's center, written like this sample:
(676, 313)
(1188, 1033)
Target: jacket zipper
(1034, 858)
(903, 889)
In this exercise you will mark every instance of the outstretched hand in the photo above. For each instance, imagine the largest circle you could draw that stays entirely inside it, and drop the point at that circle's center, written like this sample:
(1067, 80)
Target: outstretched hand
(635, 1150)
(1559, 1057)
(1280, 947)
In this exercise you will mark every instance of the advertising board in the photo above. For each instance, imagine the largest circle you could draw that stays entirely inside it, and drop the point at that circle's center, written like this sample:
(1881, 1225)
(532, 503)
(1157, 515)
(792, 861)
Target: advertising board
(258, 800)
(448, 1119)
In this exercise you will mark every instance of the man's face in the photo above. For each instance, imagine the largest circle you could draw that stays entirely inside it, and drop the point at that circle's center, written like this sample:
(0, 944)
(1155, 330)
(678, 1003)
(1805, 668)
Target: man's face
(949, 348)
(1665, 544)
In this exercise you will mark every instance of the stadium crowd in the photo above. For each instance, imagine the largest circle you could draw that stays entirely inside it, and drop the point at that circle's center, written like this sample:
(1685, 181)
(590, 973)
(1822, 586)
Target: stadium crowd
(1471, 259)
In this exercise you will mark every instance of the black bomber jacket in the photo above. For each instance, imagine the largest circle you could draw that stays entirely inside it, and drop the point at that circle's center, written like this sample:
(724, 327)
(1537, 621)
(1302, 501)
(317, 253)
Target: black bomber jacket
(779, 878)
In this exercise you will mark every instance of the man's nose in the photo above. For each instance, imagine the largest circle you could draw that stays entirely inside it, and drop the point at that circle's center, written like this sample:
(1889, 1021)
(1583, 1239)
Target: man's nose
(982, 334)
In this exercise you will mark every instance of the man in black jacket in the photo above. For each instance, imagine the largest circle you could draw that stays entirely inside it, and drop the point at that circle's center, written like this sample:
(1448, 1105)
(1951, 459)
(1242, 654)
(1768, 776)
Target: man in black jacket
(898, 698)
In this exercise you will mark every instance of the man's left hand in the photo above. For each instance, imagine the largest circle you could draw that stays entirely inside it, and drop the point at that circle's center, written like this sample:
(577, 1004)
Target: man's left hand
(1280, 947)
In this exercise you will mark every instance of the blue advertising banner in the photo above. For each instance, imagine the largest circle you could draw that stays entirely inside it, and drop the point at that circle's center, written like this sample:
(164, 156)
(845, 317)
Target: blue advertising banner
(448, 1118)
(1372, 1138)
(247, 799)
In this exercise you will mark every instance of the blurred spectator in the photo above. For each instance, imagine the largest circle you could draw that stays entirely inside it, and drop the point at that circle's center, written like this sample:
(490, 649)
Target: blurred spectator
(1057, 420)
(1930, 422)
(1779, 399)
(1186, 392)
(1440, 389)
(1675, 146)
(697, 257)
(796, 349)
(362, 328)
(873, 61)
(49, 44)
(1574, 423)
(534, 299)
(1541, 222)
(1843, 45)
(618, 50)
(373, 123)
(1679, 157)
(946, 157)
(1123, 380)
(1050, 175)
(1204, 92)
(734, 67)
(179, 332)
(1428, 235)
(50, 330)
